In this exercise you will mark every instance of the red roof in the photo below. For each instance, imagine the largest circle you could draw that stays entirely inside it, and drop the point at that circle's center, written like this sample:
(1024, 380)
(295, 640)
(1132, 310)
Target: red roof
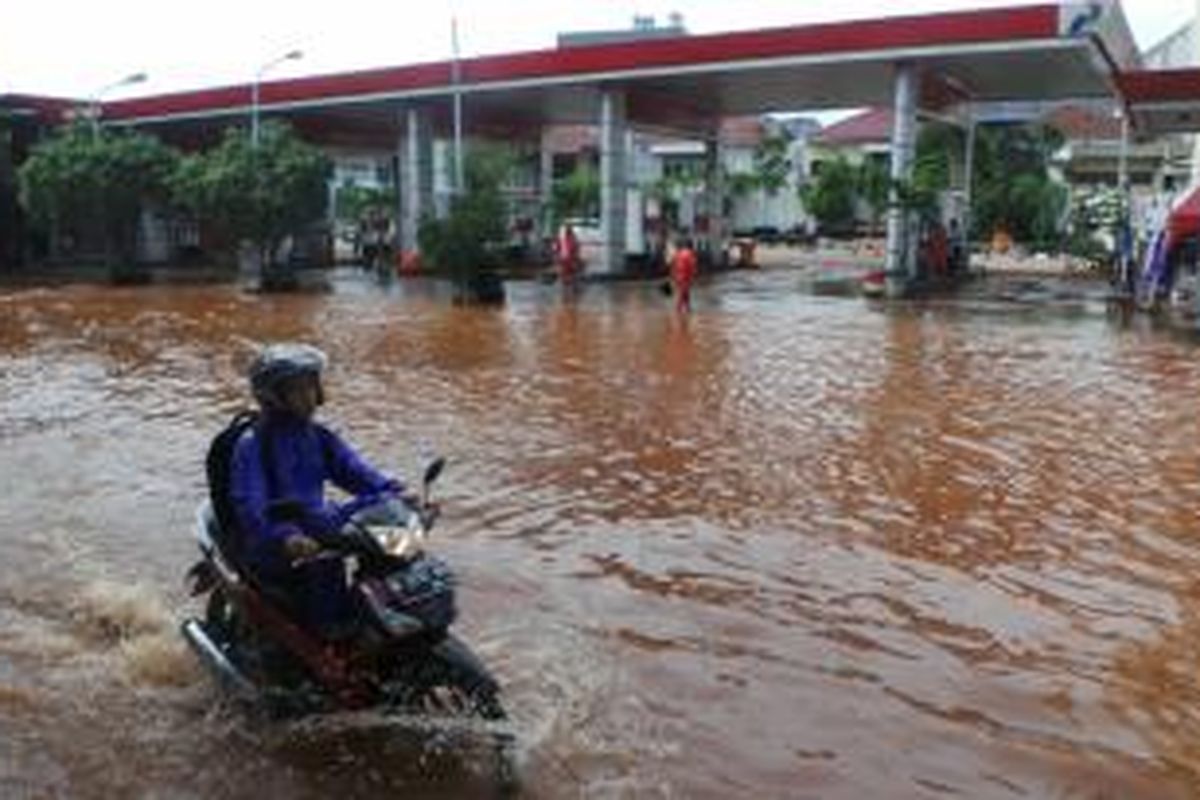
(571, 138)
(1087, 124)
(741, 131)
(870, 127)
(49, 109)
(1160, 86)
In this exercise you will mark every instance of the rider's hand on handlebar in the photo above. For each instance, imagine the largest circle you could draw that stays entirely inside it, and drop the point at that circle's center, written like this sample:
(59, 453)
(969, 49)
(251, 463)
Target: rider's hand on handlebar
(298, 547)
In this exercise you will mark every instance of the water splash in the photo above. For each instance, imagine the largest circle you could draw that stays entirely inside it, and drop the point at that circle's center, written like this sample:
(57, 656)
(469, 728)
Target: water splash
(134, 622)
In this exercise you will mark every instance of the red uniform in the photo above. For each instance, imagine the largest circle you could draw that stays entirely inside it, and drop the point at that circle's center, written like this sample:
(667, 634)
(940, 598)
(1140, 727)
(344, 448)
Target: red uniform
(568, 255)
(683, 272)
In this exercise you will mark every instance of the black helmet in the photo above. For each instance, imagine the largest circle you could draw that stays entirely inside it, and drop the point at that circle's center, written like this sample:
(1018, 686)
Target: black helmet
(276, 363)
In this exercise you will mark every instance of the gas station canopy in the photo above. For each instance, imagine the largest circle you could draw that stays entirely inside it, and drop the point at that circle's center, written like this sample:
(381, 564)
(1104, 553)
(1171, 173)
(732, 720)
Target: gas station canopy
(1043, 52)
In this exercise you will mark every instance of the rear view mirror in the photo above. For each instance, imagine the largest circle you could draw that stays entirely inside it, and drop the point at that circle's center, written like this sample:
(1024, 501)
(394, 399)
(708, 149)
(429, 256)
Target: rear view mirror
(434, 470)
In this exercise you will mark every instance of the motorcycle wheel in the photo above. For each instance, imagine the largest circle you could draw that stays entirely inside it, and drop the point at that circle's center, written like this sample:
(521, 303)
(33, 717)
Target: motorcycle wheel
(439, 691)
(455, 692)
(434, 685)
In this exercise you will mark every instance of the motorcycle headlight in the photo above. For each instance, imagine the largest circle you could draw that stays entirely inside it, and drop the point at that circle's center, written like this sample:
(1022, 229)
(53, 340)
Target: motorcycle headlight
(400, 541)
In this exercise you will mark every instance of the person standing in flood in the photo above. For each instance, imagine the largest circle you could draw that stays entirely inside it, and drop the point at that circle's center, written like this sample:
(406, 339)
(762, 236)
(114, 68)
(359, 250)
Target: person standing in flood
(567, 251)
(683, 272)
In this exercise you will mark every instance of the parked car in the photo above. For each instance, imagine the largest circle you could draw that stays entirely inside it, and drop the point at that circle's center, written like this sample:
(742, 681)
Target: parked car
(767, 234)
(800, 236)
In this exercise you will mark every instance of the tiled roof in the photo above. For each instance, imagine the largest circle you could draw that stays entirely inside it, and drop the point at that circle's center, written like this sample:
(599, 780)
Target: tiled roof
(1088, 124)
(873, 126)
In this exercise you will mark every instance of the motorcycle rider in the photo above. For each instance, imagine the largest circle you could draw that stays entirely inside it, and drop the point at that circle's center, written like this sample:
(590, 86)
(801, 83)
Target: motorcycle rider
(277, 487)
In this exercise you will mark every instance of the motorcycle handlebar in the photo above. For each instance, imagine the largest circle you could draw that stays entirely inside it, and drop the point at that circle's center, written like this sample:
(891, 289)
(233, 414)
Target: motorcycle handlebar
(354, 539)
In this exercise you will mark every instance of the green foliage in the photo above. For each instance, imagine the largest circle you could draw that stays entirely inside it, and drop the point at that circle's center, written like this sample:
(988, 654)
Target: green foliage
(740, 184)
(874, 182)
(831, 195)
(81, 181)
(772, 166)
(1097, 208)
(1097, 216)
(465, 243)
(938, 146)
(261, 194)
(1013, 189)
(677, 178)
(353, 202)
(1082, 243)
(771, 170)
(577, 195)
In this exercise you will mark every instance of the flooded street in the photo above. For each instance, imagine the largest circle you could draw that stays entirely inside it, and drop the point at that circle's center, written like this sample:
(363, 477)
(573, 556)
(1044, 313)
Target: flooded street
(789, 547)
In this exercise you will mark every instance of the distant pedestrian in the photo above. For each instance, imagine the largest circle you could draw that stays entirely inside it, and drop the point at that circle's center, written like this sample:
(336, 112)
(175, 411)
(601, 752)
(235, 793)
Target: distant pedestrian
(567, 253)
(683, 272)
(958, 248)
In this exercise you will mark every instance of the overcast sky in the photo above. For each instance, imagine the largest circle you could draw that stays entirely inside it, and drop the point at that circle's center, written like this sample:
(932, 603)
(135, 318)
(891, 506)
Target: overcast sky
(75, 48)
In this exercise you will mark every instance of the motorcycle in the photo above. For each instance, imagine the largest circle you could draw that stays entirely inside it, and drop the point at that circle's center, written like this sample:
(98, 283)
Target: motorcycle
(400, 657)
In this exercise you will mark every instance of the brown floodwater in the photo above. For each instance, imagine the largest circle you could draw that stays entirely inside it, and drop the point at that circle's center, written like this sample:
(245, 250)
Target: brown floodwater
(789, 547)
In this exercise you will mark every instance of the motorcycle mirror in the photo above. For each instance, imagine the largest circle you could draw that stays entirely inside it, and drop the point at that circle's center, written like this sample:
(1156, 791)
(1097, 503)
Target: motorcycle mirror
(434, 470)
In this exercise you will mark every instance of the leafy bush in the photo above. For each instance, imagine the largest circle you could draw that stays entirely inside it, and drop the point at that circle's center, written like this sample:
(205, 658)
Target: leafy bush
(832, 194)
(1013, 190)
(352, 202)
(577, 195)
(261, 194)
(82, 182)
(466, 244)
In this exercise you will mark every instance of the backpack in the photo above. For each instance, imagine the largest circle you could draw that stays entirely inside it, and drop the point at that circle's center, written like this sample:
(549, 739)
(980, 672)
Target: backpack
(218, 466)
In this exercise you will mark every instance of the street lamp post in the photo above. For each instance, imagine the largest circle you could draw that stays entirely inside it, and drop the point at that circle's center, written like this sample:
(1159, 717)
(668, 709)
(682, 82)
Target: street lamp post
(94, 103)
(456, 79)
(292, 56)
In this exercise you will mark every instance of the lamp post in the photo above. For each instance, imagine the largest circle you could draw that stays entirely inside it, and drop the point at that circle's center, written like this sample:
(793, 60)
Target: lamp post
(456, 79)
(94, 103)
(291, 56)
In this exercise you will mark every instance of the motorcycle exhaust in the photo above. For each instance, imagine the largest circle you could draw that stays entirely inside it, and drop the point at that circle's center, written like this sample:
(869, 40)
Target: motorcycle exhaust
(228, 675)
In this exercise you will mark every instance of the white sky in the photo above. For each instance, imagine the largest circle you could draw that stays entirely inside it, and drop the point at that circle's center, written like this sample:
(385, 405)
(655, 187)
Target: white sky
(75, 48)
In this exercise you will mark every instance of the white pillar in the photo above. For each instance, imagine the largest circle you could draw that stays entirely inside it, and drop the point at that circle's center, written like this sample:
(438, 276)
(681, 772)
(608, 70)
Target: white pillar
(416, 176)
(901, 247)
(613, 183)
(969, 166)
(1196, 63)
(1123, 160)
(546, 185)
(968, 217)
(714, 181)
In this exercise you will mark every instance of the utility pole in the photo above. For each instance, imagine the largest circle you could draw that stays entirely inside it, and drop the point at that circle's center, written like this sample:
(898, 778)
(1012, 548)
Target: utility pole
(94, 108)
(456, 80)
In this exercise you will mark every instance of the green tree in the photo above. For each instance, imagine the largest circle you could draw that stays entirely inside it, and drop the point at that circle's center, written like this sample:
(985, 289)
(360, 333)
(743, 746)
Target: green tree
(1013, 189)
(772, 165)
(740, 184)
(874, 187)
(96, 185)
(258, 194)
(770, 170)
(577, 195)
(831, 195)
(353, 202)
(466, 243)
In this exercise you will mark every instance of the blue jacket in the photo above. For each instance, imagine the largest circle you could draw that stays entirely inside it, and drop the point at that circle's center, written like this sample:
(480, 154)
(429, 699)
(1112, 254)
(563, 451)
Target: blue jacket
(304, 455)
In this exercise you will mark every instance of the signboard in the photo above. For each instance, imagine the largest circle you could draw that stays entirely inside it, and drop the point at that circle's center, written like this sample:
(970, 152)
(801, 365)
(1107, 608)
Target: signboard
(1104, 21)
